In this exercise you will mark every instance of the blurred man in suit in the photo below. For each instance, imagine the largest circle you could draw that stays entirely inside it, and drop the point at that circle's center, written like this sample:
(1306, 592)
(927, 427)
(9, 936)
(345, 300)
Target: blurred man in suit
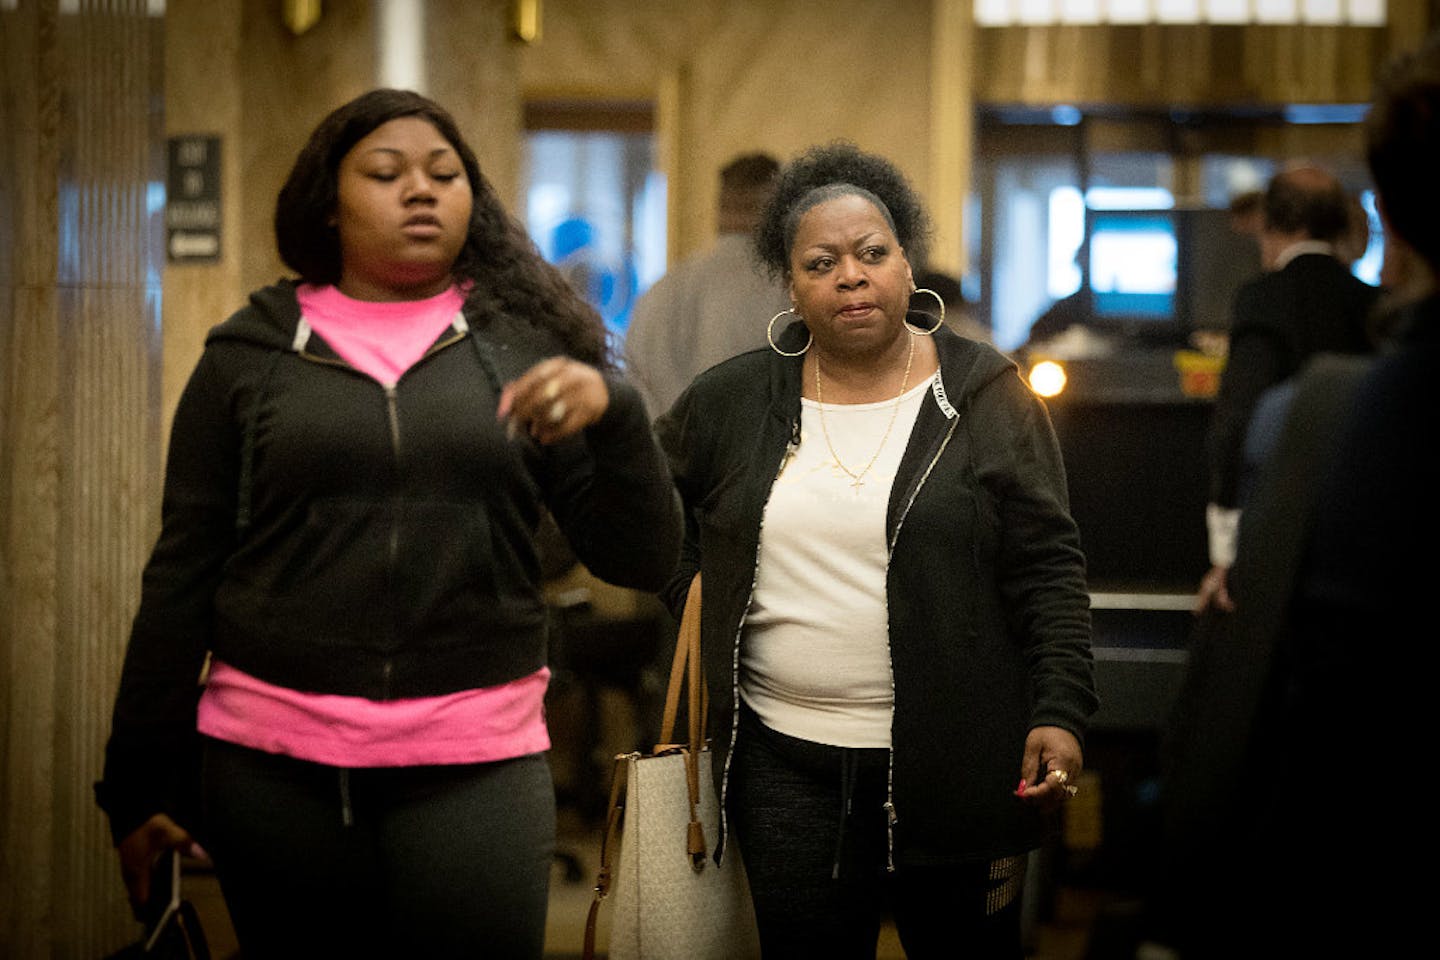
(1307, 302)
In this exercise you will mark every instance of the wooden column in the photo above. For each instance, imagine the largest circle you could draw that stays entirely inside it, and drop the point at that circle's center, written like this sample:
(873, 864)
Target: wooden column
(952, 111)
(79, 389)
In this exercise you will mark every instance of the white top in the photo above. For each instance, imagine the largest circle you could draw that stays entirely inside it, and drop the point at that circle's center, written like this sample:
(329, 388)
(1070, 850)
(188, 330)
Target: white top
(815, 661)
(701, 312)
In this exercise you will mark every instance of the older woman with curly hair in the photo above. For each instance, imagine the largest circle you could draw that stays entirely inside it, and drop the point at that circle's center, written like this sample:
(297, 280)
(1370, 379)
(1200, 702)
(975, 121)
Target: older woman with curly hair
(896, 626)
(357, 471)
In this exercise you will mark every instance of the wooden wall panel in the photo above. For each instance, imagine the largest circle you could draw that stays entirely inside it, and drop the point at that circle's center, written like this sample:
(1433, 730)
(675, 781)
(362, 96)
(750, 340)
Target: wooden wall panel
(203, 96)
(336, 60)
(80, 387)
(775, 75)
(475, 74)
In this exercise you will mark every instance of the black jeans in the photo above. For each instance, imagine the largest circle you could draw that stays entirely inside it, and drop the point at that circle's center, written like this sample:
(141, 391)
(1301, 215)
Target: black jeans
(317, 861)
(810, 823)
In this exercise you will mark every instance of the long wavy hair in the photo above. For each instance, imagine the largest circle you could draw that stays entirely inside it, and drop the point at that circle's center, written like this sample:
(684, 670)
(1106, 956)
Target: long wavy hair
(504, 267)
(832, 170)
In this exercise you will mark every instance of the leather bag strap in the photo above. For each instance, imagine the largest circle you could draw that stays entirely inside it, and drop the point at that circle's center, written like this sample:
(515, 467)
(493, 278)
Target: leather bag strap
(686, 665)
(613, 819)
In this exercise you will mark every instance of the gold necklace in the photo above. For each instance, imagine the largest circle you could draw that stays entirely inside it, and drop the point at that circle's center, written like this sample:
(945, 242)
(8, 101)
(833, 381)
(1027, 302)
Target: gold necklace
(857, 479)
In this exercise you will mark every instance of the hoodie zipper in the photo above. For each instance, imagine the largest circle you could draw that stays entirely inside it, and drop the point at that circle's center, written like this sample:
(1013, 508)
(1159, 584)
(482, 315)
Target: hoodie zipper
(393, 565)
(392, 416)
(891, 815)
(790, 447)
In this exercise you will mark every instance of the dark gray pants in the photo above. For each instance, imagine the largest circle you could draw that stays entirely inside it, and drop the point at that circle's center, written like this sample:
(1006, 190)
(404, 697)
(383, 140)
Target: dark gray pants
(810, 823)
(383, 862)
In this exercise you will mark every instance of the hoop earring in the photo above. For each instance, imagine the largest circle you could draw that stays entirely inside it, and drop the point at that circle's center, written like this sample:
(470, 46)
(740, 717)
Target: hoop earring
(918, 331)
(770, 335)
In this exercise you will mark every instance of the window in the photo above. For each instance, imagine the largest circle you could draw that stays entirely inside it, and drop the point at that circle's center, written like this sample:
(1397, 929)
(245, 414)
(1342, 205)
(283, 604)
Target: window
(594, 204)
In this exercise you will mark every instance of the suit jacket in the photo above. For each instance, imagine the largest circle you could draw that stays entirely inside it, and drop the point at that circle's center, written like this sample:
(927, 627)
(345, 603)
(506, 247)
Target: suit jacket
(1312, 305)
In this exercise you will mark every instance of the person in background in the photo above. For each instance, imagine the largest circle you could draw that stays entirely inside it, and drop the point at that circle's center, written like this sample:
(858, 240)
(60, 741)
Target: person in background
(357, 470)
(1356, 656)
(1307, 302)
(1294, 830)
(1070, 311)
(703, 310)
(895, 629)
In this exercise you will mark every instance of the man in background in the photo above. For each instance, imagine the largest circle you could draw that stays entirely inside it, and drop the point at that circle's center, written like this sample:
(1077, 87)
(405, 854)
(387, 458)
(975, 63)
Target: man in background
(1306, 303)
(713, 306)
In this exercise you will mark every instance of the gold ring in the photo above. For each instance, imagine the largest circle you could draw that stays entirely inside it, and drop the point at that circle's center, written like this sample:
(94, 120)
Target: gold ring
(558, 411)
(552, 388)
(1061, 777)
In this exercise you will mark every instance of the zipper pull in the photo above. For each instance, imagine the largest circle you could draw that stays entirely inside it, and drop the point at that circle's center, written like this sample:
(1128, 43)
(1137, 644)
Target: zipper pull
(890, 816)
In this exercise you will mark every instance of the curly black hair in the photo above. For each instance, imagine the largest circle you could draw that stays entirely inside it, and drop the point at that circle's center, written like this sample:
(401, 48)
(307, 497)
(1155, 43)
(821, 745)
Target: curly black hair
(506, 270)
(839, 169)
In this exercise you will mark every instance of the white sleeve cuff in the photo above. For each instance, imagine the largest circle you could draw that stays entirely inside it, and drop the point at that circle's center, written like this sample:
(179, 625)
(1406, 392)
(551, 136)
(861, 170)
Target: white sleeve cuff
(1223, 524)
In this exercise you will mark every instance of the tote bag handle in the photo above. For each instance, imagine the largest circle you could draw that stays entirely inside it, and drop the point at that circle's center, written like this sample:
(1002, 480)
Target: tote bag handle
(685, 669)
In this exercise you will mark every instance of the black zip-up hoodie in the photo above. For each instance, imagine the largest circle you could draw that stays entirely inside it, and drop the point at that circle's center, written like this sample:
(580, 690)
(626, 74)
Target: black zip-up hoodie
(331, 534)
(985, 582)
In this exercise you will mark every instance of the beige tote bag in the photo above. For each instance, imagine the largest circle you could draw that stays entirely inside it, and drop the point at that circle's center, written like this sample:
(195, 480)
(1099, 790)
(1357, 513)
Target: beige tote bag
(671, 900)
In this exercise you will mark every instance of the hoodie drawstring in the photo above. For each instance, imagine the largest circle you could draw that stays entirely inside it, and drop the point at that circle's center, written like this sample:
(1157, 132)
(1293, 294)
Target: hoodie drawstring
(849, 762)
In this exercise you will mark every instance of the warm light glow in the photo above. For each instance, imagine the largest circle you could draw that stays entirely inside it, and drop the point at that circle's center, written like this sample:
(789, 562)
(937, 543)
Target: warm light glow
(1047, 378)
(1129, 11)
(1367, 13)
(300, 15)
(525, 20)
(1322, 11)
(1030, 13)
(1227, 11)
(1177, 11)
(1276, 11)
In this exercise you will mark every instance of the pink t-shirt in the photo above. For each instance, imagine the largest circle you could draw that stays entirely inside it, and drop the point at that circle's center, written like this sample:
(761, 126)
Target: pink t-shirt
(382, 340)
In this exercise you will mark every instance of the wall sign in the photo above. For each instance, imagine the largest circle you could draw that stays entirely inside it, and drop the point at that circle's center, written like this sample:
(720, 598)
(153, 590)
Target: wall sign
(192, 200)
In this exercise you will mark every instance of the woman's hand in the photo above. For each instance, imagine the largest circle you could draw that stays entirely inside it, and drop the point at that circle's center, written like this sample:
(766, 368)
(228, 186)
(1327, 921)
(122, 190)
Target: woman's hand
(554, 399)
(142, 849)
(1055, 750)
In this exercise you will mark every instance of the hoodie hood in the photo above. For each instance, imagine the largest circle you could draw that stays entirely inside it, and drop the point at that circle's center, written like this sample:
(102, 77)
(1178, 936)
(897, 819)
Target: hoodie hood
(966, 368)
(269, 320)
